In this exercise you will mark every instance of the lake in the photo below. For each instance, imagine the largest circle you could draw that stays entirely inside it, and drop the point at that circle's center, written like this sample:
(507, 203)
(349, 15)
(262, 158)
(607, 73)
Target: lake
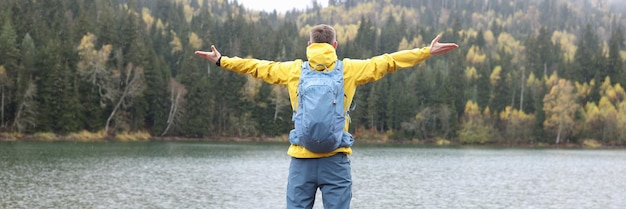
(254, 175)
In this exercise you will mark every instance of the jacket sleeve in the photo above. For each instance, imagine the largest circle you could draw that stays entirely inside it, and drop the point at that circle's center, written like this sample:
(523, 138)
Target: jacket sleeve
(375, 68)
(269, 71)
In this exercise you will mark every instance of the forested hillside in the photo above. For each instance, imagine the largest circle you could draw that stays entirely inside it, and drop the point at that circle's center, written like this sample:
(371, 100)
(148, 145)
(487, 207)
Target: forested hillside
(527, 71)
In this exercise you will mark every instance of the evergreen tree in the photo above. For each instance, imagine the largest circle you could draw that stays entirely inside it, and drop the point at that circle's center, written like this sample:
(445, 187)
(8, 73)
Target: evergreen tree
(366, 38)
(586, 57)
(541, 53)
(501, 92)
(57, 103)
(615, 63)
(200, 97)
(26, 111)
(376, 105)
(10, 55)
(390, 36)
(106, 24)
(156, 96)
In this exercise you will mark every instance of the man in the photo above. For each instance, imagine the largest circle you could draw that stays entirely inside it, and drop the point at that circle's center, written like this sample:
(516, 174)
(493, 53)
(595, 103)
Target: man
(330, 171)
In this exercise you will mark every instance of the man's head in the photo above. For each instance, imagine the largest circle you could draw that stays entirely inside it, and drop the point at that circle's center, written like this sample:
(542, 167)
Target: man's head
(323, 34)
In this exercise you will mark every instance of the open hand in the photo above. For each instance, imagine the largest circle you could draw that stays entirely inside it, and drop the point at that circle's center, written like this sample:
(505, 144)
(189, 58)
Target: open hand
(212, 56)
(437, 48)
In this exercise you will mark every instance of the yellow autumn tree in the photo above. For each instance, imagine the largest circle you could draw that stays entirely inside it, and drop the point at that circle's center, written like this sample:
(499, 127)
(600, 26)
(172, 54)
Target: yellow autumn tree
(160, 26)
(92, 65)
(346, 32)
(584, 90)
(176, 44)
(495, 79)
(592, 121)
(605, 85)
(621, 124)
(474, 128)
(605, 121)
(189, 12)
(518, 126)
(490, 38)
(404, 44)
(615, 94)
(509, 45)
(567, 41)
(535, 86)
(471, 74)
(418, 41)
(250, 90)
(552, 80)
(609, 115)
(495, 76)
(195, 41)
(147, 18)
(560, 107)
(475, 56)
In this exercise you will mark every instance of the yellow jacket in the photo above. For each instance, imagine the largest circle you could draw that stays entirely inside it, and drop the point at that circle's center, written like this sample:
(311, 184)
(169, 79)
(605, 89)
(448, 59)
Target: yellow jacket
(356, 72)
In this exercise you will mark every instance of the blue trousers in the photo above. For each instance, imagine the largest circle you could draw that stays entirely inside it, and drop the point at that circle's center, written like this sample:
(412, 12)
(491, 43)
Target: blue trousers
(330, 174)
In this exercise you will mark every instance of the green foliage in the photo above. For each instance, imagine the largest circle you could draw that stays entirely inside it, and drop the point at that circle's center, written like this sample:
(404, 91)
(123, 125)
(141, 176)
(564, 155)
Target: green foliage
(587, 58)
(615, 64)
(475, 134)
(50, 88)
(474, 128)
(9, 50)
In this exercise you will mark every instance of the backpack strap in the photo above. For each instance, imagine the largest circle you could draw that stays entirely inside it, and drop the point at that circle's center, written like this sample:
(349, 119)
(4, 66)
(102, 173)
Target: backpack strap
(350, 109)
(305, 66)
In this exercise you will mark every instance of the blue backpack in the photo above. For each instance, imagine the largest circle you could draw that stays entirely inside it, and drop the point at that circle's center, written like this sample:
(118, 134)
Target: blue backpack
(320, 118)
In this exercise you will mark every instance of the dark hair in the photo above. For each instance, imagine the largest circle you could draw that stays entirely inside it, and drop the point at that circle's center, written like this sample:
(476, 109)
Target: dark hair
(323, 34)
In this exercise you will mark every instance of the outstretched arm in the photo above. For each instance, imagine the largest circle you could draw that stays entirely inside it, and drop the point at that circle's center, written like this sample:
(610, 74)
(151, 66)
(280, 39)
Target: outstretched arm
(437, 48)
(269, 71)
(213, 56)
(376, 67)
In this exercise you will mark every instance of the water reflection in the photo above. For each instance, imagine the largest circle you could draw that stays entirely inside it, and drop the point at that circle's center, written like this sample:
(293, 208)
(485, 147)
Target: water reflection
(227, 175)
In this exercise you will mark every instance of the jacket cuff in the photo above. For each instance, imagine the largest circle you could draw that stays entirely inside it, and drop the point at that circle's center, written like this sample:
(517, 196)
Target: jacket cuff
(218, 63)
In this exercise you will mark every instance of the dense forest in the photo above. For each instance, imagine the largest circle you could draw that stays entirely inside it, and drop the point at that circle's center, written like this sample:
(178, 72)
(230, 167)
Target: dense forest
(526, 72)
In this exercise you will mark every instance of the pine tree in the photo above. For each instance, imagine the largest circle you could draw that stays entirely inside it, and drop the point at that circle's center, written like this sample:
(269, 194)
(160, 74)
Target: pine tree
(57, 102)
(586, 57)
(390, 36)
(156, 95)
(9, 53)
(365, 39)
(26, 109)
(541, 53)
(202, 90)
(615, 63)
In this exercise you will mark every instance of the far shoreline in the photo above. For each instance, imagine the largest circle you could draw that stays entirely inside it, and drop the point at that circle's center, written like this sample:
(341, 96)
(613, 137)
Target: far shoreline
(279, 139)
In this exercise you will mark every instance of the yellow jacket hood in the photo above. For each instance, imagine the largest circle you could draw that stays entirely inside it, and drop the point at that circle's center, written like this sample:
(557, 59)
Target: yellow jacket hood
(321, 55)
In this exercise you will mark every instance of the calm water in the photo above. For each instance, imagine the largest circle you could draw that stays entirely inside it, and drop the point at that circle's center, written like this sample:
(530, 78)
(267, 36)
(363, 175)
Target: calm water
(224, 175)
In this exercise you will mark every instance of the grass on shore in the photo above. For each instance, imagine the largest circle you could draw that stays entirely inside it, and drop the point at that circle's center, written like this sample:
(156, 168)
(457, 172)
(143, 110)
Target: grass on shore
(82, 136)
(363, 137)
